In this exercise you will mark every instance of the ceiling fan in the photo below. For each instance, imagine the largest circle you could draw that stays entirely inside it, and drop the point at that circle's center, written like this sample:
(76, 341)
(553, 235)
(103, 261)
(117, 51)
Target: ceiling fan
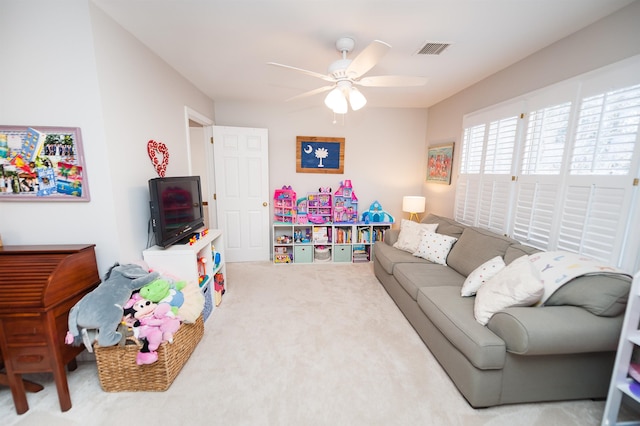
(344, 74)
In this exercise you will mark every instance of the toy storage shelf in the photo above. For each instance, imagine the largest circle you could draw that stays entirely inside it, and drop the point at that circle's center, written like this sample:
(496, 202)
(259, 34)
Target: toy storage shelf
(192, 262)
(329, 242)
(621, 382)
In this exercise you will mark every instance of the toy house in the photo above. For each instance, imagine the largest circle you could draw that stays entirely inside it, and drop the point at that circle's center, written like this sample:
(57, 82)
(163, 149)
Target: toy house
(284, 205)
(376, 214)
(345, 204)
(319, 206)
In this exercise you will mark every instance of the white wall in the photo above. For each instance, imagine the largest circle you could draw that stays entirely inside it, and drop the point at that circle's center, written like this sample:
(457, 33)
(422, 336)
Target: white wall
(606, 41)
(143, 98)
(384, 148)
(50, 80)
(71, 65)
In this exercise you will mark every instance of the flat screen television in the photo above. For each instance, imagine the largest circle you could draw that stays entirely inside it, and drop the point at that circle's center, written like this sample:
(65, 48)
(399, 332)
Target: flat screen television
(176, 208)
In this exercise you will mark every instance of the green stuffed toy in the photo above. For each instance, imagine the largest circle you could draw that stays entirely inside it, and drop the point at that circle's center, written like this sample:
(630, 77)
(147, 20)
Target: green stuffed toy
(163, 291)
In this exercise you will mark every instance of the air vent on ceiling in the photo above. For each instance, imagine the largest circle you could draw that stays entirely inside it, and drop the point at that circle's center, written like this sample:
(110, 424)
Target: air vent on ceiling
(433, 48)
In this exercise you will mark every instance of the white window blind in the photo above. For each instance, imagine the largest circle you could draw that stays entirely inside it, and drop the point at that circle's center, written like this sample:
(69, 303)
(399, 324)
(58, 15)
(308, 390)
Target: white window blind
(500, 145)
(545, 141)
(606, 133)
(574, 162)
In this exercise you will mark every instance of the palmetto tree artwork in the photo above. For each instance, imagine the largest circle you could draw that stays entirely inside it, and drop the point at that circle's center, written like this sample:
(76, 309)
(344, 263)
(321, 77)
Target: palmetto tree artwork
(321, 153)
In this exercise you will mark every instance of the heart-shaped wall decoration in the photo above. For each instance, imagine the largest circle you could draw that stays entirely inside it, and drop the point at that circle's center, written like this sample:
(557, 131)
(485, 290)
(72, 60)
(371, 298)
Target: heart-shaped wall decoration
(158, 148)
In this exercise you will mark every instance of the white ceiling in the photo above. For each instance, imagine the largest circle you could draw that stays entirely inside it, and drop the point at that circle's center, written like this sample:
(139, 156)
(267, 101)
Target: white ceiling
(222, 46)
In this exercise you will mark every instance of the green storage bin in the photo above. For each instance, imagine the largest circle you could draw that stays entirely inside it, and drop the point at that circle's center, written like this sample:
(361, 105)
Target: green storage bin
(303, 254)
(342, 253)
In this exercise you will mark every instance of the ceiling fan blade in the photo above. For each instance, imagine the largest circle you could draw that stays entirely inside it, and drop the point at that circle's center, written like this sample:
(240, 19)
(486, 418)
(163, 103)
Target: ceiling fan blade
(392, 81)
(310, 93)
(311, 73)
(368, 58)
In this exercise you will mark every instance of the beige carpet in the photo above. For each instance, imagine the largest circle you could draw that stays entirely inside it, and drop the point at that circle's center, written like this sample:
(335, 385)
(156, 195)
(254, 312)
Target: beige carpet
(319, 344)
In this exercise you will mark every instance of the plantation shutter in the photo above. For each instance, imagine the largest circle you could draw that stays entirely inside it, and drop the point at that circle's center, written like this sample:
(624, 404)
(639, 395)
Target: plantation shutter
(466, 200)
(600, 186)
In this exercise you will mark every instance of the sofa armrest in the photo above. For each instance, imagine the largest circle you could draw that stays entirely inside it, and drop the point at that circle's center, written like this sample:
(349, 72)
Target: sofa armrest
(555, 330)
(391, 236)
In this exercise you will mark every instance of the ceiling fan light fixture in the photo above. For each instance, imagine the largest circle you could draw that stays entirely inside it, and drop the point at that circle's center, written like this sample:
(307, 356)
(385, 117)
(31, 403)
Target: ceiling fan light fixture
(356, 99)
(336, 101)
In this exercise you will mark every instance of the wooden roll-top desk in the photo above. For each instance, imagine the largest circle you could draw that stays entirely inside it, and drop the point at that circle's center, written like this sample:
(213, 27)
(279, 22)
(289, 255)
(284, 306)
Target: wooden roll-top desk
(38, 286)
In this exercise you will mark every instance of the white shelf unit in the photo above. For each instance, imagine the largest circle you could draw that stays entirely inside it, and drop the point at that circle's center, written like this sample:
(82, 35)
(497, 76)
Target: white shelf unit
(620, 380)
(307, 243)
(184, 261)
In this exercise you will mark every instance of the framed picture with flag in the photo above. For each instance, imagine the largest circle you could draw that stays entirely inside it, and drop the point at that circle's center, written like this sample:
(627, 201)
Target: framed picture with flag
(315, 154)
(41, 163)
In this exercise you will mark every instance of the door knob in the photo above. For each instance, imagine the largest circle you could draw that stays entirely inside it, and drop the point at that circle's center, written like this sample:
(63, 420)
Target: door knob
(264, 204)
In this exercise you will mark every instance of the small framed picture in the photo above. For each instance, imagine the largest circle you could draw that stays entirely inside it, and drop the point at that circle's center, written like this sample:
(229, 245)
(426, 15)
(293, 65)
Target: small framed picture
(42, 163)
(316, 154)
(439, 162)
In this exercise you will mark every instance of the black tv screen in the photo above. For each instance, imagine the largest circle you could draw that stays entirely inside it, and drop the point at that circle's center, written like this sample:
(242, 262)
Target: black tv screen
(176, 208)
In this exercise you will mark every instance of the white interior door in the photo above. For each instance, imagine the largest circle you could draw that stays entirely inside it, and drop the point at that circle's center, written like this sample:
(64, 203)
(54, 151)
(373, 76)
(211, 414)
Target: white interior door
(241, 158)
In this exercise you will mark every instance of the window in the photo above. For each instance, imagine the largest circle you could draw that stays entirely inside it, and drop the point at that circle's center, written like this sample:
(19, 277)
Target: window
(556, 170)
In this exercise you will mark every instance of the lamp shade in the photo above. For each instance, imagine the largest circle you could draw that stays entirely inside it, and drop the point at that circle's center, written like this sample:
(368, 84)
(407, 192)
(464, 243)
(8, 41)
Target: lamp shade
(356, 99)
(336, 101)
(413, 204)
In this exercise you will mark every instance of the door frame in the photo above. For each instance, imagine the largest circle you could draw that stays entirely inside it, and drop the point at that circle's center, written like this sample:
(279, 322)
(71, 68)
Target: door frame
(191, 115)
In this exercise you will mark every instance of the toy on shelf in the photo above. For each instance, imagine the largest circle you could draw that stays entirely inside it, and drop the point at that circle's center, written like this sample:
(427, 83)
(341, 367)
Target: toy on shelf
(376, 214)
(284, 205)
(302, 211)
(319, 206)
(197, 236)
(345, 204)
(218, 287)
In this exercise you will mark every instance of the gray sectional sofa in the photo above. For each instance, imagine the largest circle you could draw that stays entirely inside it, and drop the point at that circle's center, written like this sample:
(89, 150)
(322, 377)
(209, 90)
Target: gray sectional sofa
(560, 351)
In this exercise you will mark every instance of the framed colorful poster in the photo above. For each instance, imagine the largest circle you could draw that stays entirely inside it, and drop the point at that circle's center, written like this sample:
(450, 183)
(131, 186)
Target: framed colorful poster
(42, 164)
(319, 155)
(439, 162)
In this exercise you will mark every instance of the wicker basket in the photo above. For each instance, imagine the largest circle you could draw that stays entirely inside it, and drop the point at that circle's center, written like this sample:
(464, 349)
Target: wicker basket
(118, 371)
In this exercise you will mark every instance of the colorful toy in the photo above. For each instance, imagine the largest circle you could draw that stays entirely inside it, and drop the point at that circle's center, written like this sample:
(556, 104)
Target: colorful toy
(302, 211)
(101, 310)
(345, 204)
(319, 206)
(218, 287)
(284, 205)
(376, 214)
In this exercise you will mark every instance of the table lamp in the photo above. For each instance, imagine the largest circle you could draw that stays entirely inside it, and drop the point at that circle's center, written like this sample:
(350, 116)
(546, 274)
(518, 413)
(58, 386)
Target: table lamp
(413, 205)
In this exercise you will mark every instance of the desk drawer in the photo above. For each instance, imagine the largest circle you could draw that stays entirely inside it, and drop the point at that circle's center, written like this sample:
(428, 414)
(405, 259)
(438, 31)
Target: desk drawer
(28, 359)
(24, 330)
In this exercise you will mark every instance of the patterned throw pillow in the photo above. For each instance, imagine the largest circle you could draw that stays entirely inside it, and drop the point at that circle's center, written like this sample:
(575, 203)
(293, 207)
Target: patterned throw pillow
(480, 275)
(515, 285)
(411, 233)
(435, 247)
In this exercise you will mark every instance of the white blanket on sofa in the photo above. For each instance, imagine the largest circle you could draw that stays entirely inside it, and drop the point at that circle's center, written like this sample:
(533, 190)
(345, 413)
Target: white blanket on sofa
(557, 268)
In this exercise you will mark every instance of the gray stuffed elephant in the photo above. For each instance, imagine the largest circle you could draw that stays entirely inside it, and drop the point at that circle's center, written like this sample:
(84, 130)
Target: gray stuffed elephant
(100, 311)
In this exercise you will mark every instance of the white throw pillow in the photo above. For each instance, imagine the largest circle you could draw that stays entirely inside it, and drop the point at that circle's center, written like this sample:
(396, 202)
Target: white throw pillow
(435, 247)
(411, 233)
(517, 284)
(480, 275)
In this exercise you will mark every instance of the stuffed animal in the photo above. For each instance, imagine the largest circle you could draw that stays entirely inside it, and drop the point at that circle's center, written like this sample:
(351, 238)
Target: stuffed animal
(101, 309)
(157, 327)
(193, 303)
(163, 291)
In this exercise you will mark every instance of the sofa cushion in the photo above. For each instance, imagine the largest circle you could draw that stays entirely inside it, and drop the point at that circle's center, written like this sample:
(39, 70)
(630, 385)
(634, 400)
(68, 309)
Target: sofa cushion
(412, 276)
(516, 285)
(411, 233)
(474, 248)
(453, 316)
(434, 247)
(446, 226)
(388, 256)
(603, 295)
(517, 250)
(480, 275)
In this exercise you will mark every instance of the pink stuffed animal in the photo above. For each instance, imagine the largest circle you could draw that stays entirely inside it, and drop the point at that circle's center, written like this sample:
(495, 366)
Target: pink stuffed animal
(157, 327)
